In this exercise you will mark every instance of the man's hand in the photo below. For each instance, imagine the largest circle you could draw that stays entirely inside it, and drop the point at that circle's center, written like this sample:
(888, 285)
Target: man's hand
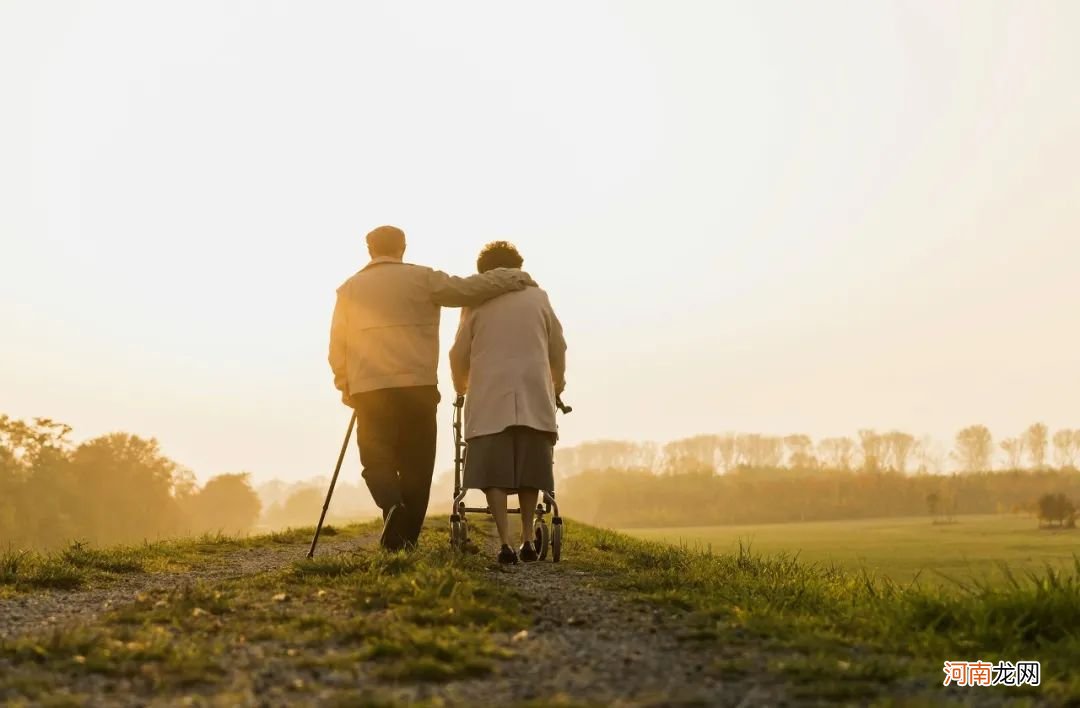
(346, 399)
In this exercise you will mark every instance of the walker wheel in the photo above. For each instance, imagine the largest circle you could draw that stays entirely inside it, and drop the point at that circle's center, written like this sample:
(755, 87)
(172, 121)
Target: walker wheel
(541, 536)
(459, 534)
(556, 540)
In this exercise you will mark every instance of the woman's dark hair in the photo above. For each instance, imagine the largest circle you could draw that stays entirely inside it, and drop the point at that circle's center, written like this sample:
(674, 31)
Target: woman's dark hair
(498, 254)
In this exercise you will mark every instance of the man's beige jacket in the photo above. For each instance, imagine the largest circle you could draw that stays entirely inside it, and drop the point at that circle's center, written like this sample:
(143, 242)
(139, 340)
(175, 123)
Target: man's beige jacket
(385, 331)
(509, 357)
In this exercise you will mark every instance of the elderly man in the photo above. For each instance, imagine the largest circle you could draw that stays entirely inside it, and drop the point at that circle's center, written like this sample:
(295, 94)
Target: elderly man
(510, 357)
(384, 351)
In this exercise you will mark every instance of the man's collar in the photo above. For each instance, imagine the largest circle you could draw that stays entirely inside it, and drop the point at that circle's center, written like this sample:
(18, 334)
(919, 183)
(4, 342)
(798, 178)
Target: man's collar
(378, 260)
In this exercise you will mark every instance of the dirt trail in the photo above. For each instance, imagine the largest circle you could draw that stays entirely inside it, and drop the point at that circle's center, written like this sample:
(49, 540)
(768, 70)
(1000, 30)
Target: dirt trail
(583, 644)
(591, 646)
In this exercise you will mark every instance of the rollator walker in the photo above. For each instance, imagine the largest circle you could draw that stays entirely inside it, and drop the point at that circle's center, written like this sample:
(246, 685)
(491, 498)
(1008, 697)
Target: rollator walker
(543, 538)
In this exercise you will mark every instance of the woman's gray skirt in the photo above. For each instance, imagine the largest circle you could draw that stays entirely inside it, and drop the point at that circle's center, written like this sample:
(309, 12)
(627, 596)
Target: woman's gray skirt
(517, 457)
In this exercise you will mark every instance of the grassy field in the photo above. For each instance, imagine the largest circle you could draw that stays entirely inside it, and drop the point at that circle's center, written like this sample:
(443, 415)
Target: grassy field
(285, 633)
(842, 636)
(974, 547)
(79, 566)
(427, 616)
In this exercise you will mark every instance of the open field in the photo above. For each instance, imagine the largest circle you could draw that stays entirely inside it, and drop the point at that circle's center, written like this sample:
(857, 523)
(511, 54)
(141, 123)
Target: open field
(975, 547)
(219, 621)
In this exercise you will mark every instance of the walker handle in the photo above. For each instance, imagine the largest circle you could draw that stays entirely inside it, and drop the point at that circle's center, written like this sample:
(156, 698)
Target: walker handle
(562, 406)
(459, 401)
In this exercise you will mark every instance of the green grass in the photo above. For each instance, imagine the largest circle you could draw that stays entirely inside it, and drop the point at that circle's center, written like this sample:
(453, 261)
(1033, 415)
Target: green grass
(375, 620)
(841, 635)
(80, 566)
(431, 615)
(906, 549)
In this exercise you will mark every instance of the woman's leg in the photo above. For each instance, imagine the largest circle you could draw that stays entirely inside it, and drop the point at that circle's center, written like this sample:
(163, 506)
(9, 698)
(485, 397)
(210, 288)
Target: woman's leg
(496, 499)
(527, 497)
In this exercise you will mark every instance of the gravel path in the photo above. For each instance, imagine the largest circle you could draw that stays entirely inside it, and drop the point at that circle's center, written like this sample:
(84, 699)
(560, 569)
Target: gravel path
(583, 645)
(587, 645)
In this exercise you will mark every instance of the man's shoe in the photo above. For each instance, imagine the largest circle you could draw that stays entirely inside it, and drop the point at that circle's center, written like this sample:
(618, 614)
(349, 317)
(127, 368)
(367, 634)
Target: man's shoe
(507, 555)
(391, 537)
(528, 553)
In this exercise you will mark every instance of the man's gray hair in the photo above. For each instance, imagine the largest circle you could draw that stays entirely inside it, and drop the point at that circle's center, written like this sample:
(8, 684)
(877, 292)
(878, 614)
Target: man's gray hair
(386, 241)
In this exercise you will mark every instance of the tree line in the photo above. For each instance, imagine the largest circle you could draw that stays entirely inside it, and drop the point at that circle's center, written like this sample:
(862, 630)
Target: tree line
(734, 478)
(622, 498)
(298, 503)
(120, 488)
(116, 488)
(973, 450)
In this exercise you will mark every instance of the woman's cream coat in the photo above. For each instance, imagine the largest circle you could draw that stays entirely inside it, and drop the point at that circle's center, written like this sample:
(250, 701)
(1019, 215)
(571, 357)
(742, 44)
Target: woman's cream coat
(509, 357)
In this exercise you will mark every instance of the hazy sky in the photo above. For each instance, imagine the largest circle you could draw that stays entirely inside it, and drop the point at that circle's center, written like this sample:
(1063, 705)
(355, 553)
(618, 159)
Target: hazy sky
(773, 217)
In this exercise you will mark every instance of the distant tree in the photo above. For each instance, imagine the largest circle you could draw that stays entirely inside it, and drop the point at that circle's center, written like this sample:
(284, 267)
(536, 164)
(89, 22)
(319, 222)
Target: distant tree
(725, 450)
(51, 507)
(759, 451)
(1056, 508)
(227, 504)
(10, 488)
(933, 503)
(800, 452)
(747, 448)
(38, 505)
(628, 498)
(28, 443)
(603, 454)
(836, 453)
(931, 455)
(185, 485)
(113, 488)
(1014, 452)
(1035, 443)
(699, 448)
(686, 466)
(1066, 443)
(872, 447)
(301, 508)
(772, 451)
(125, 486)
(974, 447)
(276, 490)
(900, 446)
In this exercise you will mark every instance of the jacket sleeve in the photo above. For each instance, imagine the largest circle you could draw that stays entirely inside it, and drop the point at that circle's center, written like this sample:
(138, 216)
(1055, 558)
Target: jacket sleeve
(461, 352)
(451, 291)
(556, 350)
(338, 346)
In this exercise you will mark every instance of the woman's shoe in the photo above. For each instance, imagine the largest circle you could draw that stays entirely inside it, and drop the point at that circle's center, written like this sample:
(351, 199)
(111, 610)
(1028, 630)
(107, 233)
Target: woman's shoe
(507, 555)
(528, 553)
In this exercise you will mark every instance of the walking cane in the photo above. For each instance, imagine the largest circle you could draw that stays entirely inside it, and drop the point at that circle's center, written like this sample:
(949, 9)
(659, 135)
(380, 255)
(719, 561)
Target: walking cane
(333, 481)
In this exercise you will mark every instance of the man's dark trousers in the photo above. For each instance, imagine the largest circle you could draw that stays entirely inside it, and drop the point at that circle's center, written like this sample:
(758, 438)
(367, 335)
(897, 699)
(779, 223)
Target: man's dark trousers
(396, 431)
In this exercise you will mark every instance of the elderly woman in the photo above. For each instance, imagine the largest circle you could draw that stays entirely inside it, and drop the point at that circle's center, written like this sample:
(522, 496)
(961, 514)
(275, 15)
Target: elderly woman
(510, 357)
